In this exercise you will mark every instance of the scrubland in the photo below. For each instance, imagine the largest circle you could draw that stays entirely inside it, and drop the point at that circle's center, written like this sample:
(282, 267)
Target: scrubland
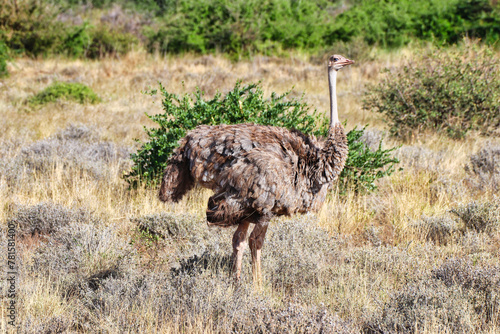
(419, 255)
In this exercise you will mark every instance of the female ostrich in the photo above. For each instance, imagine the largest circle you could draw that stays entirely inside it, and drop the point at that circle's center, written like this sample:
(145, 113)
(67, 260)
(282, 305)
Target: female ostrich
(258, 172)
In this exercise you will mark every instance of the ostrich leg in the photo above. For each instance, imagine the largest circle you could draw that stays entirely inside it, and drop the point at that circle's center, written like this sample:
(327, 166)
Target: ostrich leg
(256, 243)
(239, 244)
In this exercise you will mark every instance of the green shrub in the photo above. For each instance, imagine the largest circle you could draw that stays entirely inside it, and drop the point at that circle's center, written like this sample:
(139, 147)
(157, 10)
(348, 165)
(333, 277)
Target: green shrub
(34, 28)
(105, 41)
(76, 41)
(365, 165)
(241, 27)
(30, 26)
(247, 105)
(65, 90)
(4, 56)
(96, 42)
(396, 23)
(152, 6)
(453, 90)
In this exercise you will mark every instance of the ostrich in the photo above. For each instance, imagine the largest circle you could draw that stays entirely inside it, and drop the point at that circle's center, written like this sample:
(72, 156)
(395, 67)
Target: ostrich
(258, 172)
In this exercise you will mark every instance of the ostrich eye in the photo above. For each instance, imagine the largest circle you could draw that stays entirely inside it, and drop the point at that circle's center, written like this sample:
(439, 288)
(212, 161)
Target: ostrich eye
(335, 59)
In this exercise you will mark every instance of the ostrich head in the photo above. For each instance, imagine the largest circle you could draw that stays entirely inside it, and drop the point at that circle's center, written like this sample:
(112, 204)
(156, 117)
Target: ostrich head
(336, 62)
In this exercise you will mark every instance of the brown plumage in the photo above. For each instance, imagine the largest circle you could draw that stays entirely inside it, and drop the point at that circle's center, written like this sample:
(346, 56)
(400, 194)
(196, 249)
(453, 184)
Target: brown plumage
(257, 172)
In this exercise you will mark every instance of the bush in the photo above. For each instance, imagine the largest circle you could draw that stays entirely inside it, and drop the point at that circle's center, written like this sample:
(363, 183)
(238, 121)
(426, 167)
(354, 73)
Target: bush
(65, 90)
(481, 284)
(241, 27)
(456, 297)
(453, 90)
(35, 28)
(77, 150)
(484, 280)
(486, 161)
(397, 23)
(105, 41)
(484, 169)
(73, 147)
(439, 230)
(297, 255)
(193, 245)
(95, 41)
(472, 217)
(168, 226)
(244, 27)
(365, 165)
(479, 217)
(30, 26)
(199, 288)
(81, 255)
(76, 41)
(247, 105)
(421, 305)
(297, 252)
(4, 57)
(47, 218)
(203, 301)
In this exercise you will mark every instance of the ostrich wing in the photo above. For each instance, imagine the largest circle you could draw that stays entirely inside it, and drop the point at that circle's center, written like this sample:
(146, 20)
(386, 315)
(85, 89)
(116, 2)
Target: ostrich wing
(262, 179)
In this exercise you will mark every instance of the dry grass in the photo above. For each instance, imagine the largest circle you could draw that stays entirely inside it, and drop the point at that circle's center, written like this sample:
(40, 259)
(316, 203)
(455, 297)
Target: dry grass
(95, 256)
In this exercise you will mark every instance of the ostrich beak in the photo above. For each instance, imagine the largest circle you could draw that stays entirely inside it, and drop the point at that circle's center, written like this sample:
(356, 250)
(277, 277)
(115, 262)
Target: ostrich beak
(346, 62)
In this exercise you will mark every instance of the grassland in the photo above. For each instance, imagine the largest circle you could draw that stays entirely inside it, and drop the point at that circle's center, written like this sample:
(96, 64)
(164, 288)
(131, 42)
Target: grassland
(419, 255)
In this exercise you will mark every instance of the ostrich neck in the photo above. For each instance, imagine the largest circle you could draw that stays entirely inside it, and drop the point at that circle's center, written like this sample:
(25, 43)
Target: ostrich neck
(332, 157)
(332, 83)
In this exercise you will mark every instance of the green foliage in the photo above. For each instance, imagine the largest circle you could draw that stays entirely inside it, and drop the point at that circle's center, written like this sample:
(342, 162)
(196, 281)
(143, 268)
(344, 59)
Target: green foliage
(247, 105)
(395, 23)
(65, 90)
(454, 90)
(241, 27)
(30, 27)
(4, 56)
(76, 41)
(364, 166)
(95, 42)
(152, 6)
(33, 28)
(105, 41)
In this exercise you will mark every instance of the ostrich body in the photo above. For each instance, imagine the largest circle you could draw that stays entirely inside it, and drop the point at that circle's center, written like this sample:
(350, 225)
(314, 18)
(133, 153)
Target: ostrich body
(258, 172)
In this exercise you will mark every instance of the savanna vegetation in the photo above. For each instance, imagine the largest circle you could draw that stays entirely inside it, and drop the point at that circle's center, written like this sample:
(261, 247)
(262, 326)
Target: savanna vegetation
(452, 91)
(93, 29)
(407, 242)
(64, 90)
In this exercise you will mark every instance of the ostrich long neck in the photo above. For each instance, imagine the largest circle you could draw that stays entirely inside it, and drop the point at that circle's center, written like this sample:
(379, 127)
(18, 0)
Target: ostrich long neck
(332, 83)
(332, 157)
